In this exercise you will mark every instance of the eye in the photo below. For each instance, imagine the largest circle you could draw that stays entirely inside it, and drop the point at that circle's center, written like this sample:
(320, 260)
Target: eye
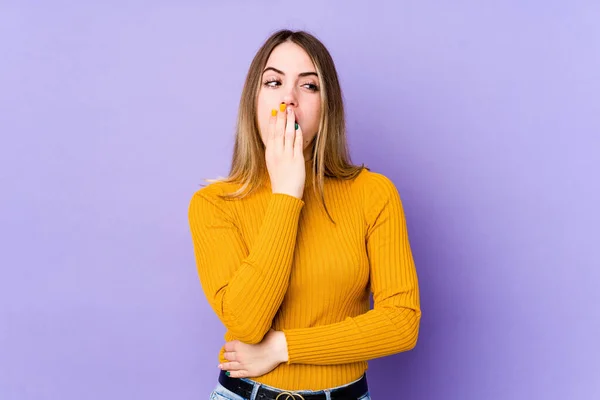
(272, 82)
(311, 86)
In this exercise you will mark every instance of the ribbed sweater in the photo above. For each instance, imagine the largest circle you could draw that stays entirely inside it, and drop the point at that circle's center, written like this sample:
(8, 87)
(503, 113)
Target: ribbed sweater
(275, 261)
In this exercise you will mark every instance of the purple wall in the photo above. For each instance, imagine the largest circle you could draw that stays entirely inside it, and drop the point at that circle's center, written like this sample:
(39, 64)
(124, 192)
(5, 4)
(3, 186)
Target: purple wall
(486, 114)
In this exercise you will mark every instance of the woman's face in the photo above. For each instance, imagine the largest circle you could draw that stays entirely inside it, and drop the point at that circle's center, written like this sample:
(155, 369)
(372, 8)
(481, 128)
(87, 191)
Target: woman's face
(291, 78)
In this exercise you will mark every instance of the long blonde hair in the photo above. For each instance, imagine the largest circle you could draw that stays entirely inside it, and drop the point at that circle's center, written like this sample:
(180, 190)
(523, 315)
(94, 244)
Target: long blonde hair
(331, 157)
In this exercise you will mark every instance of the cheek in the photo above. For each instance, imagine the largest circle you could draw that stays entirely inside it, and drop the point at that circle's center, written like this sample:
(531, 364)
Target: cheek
(313, 112)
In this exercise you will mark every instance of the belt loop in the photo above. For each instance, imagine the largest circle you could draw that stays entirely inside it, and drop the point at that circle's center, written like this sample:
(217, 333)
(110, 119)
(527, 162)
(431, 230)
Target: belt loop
(327, 394)
(254, 391)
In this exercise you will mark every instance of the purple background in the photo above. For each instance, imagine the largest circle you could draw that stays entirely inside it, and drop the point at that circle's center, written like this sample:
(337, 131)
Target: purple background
(486, 115)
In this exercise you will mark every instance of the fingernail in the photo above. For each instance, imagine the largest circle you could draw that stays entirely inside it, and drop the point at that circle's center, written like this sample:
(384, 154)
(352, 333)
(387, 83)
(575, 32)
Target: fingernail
(227, 373)
(282, 107)
(296, 126)
(274, 112)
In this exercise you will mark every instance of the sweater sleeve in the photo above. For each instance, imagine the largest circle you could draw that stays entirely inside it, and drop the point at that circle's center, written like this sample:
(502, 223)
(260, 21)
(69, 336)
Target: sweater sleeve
(245, 287)
(392, 325)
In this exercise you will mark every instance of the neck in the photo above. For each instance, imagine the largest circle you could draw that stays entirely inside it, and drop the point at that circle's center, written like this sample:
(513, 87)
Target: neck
(308, 152)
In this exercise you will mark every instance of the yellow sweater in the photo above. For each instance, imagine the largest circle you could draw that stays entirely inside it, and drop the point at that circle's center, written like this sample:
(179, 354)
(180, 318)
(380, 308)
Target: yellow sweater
(275, 261)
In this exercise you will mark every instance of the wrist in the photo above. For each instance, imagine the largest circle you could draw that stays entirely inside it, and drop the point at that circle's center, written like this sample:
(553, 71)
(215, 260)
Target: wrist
(292, 193)
(281, 350)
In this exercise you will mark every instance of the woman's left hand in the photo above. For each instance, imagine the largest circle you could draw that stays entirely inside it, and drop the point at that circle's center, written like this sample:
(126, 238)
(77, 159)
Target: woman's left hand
(252, 360)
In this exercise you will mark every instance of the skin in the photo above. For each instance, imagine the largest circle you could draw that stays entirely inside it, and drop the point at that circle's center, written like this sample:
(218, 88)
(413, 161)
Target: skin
(290, 78)
(252, 360)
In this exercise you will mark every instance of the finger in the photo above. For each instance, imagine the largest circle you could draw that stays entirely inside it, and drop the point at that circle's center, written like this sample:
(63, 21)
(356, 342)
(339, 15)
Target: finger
(239, 374)
(230, 346)
(280, 126)
(230, 355)
(290, 132)
(230, 366)
(271, 127)
(299, 143)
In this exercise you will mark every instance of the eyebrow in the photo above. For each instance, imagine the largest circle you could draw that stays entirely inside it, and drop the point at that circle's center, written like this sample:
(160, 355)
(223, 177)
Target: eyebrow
(283, 73)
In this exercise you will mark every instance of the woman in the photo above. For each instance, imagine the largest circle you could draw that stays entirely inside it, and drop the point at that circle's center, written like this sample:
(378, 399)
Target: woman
(289, 246)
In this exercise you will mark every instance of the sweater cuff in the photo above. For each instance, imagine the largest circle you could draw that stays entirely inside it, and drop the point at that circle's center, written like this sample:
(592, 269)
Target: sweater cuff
(306, 344)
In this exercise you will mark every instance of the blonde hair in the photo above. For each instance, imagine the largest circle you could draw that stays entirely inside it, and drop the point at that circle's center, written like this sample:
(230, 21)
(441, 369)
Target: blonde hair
(331, 157)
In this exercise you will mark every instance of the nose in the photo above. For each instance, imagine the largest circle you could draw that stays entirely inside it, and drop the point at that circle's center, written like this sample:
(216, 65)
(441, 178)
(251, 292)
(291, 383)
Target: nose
(290, 98)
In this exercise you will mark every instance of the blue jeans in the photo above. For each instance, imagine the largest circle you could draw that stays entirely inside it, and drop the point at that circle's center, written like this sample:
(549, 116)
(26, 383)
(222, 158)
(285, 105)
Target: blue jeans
(221, 393)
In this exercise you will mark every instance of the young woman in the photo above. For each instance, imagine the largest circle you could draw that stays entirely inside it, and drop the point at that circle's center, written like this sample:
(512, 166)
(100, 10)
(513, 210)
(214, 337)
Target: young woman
(290, 245)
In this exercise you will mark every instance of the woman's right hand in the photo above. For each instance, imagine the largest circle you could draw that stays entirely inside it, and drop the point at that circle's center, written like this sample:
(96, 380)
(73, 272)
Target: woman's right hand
(284, 153)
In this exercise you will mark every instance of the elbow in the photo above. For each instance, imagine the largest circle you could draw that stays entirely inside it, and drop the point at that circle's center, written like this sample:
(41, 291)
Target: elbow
(412, 342)
(408, 333)
(246, 330)
(248, 336)
(243, 326)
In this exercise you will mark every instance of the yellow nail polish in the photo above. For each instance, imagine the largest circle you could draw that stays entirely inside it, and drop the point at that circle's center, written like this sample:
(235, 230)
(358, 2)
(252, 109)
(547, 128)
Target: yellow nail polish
(274, 112)
(282, 107)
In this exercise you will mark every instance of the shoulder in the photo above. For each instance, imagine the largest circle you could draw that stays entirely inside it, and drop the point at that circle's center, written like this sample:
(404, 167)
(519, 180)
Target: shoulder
(211, 196)
(375, 184)
(378, 192)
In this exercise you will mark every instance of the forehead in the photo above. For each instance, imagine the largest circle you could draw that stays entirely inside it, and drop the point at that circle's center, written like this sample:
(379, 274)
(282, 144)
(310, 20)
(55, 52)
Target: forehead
(289, 57)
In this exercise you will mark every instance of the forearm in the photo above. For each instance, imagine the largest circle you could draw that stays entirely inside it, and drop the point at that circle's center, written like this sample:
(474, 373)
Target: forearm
(380, 332)
(250, 299)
